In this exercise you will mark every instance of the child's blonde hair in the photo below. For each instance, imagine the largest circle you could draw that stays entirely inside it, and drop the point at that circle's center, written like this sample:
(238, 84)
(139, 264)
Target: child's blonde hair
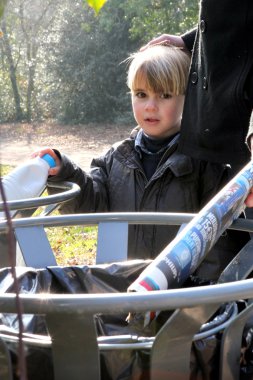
(163, 68)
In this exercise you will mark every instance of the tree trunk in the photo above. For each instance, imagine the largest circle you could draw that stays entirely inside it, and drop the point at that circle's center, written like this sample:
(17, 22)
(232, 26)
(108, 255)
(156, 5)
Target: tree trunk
(12, 72)
(31, 58)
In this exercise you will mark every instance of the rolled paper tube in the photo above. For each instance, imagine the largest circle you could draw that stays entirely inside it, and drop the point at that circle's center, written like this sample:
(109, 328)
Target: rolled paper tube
(183, 255)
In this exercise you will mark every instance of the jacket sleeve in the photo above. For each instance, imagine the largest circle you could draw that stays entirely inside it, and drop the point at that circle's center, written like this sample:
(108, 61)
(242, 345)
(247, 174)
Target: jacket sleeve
(189, 38)
(93, 185)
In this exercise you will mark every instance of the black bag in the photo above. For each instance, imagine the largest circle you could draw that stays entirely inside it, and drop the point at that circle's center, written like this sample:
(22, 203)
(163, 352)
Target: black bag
(115, 364)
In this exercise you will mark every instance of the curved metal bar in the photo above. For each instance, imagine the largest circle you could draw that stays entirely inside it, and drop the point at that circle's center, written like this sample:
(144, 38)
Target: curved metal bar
(96, 218)
(116, 342)
(70, 190)
(92, 219)
(130, 217)
(125, 302)
(216, 329)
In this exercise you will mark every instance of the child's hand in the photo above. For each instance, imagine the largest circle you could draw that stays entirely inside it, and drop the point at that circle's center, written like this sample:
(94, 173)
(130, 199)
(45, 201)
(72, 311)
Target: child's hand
(42, 152)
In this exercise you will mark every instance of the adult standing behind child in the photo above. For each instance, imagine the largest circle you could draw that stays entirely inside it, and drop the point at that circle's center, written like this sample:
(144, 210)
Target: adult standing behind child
(219, 95)
(146, 172)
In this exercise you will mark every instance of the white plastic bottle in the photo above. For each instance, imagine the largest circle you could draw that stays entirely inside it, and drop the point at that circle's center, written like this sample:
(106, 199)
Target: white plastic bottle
(27, 180)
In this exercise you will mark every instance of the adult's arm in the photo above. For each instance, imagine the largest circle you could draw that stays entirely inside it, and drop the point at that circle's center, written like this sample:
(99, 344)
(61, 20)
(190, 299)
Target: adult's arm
(189, 38)
(185, 41)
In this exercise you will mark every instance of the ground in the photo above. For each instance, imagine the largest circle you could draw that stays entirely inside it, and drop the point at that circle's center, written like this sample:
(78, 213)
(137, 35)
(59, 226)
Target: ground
(81, 142)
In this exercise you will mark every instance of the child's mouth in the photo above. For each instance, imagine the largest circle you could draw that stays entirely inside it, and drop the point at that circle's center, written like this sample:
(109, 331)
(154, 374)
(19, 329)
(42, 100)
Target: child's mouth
(151, 120)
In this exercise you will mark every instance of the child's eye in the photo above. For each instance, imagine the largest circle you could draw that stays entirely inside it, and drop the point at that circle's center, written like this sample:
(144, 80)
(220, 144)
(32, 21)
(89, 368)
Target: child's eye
(140, 94)
(166, 96)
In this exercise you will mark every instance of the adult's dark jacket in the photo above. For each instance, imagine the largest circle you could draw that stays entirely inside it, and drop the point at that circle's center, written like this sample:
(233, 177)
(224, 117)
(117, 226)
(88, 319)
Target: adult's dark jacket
(116, 182)
(219, 97)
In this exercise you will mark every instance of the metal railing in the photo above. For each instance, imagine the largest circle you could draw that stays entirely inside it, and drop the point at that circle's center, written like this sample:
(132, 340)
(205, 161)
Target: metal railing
(68, 190)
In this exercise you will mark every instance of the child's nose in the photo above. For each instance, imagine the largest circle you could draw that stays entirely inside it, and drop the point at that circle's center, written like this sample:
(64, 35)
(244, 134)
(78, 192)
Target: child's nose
(151, 104)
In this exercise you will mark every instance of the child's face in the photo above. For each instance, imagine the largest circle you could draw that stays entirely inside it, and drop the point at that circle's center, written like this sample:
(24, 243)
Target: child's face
(159, 115)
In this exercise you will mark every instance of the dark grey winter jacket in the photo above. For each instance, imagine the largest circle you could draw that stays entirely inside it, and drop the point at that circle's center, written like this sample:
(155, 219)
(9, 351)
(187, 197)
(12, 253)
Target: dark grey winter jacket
(219, 96)
(116, 182)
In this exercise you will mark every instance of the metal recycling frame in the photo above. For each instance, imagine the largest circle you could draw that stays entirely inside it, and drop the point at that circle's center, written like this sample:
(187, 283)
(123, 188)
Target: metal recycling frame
(25, 208)
(74, 339)
(78, 356)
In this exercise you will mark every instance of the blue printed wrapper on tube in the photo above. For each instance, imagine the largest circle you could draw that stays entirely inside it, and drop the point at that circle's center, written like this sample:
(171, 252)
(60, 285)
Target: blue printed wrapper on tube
(183, 255)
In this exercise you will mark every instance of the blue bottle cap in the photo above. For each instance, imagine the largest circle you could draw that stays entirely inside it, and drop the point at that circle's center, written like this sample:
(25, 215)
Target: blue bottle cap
(49, 159)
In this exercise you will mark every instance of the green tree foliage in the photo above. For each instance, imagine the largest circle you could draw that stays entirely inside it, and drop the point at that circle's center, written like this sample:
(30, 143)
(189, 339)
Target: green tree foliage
(2, 6)
(25, 29)
(150, 18)
(91, 79)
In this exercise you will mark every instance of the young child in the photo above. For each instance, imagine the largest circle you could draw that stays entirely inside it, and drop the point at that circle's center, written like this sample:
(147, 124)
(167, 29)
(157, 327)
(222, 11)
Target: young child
(146, 172)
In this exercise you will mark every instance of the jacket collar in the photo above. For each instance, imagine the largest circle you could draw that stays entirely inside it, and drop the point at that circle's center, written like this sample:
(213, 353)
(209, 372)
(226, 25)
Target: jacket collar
(178, 163)
(141, 147)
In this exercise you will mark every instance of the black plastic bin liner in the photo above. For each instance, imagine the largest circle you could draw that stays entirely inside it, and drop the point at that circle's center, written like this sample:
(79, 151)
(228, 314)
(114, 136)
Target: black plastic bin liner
(115, 364)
